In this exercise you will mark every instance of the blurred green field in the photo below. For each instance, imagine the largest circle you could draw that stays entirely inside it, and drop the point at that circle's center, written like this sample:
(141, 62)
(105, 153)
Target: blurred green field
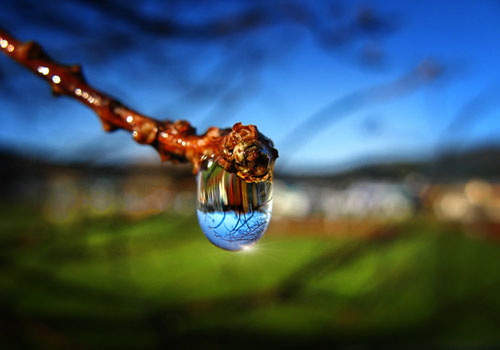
(157, 282)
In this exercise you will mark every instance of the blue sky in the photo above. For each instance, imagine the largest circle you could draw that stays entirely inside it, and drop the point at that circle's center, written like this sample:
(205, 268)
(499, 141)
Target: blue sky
(289, 88)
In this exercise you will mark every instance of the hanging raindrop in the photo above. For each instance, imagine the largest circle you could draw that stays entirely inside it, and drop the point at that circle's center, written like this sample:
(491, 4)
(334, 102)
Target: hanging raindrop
(232, 213)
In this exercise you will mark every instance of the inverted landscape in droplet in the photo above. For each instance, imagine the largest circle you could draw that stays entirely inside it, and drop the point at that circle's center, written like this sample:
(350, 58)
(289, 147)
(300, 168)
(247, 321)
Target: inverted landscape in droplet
(232, 213)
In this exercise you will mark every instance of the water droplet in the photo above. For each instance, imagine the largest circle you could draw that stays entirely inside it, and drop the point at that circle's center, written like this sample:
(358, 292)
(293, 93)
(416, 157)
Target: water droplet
(232, 213)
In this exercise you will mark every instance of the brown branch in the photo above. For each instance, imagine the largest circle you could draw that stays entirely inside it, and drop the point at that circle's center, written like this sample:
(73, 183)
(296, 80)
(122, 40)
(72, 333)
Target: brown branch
(242, 150)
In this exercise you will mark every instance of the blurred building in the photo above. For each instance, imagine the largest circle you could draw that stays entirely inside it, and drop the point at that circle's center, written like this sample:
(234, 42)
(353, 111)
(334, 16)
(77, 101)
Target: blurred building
(360, 200)
(67, 191)
(475, 200)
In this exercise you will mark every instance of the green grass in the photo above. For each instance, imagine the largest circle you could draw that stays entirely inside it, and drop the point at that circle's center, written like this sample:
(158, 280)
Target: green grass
(118, 282)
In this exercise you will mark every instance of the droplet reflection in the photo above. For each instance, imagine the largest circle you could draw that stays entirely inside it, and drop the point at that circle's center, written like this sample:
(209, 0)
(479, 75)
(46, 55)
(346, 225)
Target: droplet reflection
(232, 213)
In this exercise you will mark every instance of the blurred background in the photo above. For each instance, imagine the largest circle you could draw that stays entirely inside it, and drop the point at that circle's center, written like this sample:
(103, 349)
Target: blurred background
(386, 221)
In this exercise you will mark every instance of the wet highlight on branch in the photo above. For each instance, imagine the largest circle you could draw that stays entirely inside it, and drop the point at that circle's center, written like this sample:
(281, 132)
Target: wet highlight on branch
(241, 150)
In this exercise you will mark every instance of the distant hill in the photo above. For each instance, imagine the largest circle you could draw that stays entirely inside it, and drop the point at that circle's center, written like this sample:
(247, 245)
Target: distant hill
(22, 176)
(449, 167)
(483, 163)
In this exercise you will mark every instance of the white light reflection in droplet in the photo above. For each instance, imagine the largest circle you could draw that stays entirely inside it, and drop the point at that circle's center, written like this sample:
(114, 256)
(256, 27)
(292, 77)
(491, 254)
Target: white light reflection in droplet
(248, 248)
(43, 70)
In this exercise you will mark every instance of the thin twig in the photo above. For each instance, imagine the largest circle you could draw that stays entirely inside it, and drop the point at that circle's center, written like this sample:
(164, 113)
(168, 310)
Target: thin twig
(242, 150)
